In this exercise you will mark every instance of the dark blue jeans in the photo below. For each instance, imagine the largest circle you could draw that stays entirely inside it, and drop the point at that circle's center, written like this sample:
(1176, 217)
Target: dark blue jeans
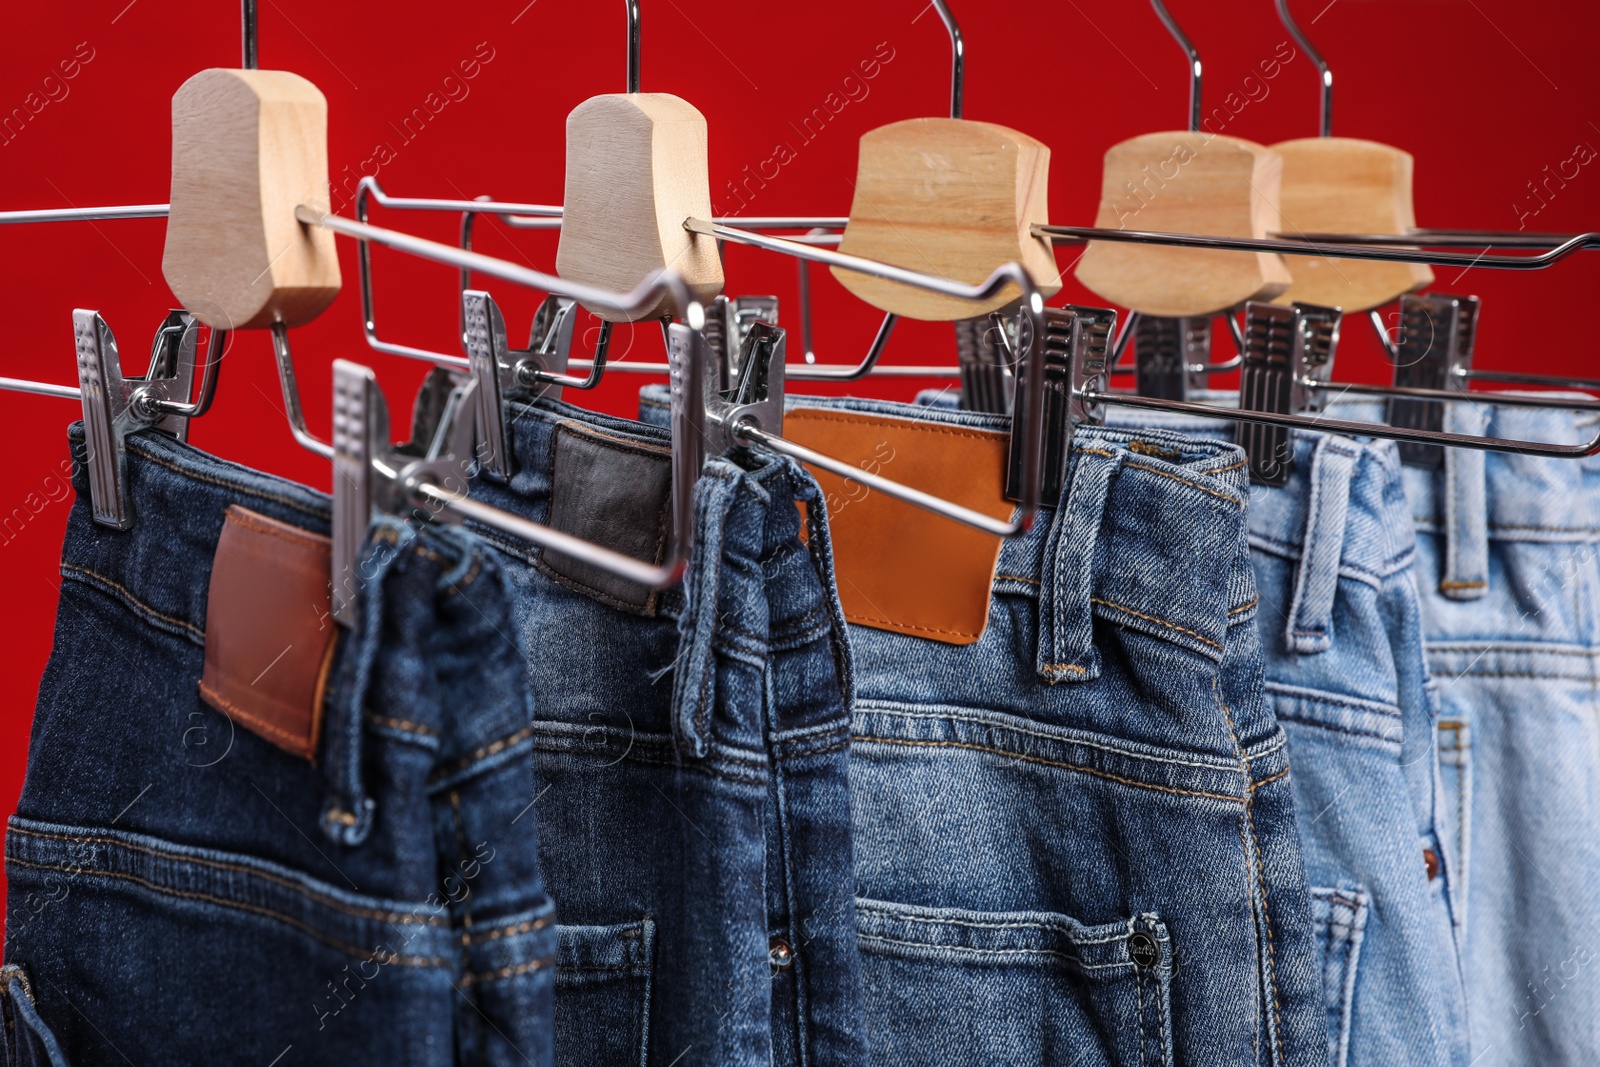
(690, 751)
(1075, 835)
(183, 890)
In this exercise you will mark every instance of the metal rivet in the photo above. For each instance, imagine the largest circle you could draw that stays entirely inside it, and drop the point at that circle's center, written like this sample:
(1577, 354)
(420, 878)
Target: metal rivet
(1430, 861)
(1143, 950)
(780, 953)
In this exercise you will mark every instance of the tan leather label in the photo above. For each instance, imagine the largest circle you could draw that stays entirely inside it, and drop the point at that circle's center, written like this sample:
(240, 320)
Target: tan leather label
(269, 632)
(901, 568)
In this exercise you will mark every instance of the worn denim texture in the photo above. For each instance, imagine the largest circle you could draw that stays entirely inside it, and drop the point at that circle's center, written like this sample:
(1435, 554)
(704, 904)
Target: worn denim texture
(691, 758)
(184, 891)
(1510, 593)
(1075, 838)
(1340, 622)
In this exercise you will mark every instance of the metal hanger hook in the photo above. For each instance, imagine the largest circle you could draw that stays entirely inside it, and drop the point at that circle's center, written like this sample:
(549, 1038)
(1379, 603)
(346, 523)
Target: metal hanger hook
(634, 61)
(1194, 60)
(958, 58)
(1300, 38)
(252, 37)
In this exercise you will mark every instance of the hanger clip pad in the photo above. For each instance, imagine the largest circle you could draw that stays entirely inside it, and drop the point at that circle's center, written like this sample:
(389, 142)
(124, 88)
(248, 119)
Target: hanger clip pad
(1434, 352)
(1076, 342)
(1288, 352)
(1170, 354)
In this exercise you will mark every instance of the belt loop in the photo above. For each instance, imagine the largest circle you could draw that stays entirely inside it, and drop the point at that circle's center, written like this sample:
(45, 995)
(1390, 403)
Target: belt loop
(1310, 615)
(1466, 515)
(694, 690)
(1066, 625)
(348, 811)
(819, 542)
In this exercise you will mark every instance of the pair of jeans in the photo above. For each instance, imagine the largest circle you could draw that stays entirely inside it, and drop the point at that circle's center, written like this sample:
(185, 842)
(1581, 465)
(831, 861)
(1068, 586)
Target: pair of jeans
(690, 750)
(1075, 836)
(1341, 624)
(184, 890)
(1511, 616)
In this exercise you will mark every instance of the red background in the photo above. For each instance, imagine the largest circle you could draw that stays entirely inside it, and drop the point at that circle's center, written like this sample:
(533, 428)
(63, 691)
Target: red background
(1484, 93)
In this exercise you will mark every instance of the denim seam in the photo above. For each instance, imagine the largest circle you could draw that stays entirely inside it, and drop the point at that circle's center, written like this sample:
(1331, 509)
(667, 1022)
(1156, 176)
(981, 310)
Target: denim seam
(478, 755)
(238, 868)
(1155, 619)
(1057, 763)
(1247, 821)
(507, 972)
(1372, 707)
(131, 601)
(1112, 749)
(402, 725)
(498, 932)
(408, 961)
(1168, 474)
(753, 759)
(965, 924)
(725, 774)
(1519, 649)
(1244, 607)
(288, 502)
(995, 951)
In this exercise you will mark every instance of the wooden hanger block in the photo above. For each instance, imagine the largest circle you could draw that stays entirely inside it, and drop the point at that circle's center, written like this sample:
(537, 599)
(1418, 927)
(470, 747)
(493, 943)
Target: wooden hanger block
(636, 169)
(248, 146)
(1344, 185)
(1184, 182)
(954, 199)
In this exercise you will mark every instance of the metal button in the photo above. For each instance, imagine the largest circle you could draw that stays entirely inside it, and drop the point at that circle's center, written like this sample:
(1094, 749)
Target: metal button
(1143, 950)
(780, 953)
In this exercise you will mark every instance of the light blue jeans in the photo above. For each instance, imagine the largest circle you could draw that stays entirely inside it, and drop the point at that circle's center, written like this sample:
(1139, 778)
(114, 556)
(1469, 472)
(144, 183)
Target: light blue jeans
(1510, 591)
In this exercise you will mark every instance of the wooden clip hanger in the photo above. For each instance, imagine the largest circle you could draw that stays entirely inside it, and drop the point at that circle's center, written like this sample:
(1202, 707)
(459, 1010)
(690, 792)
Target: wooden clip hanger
(1187, 181)
(1344, 185)
(948, 197)
(636, 168)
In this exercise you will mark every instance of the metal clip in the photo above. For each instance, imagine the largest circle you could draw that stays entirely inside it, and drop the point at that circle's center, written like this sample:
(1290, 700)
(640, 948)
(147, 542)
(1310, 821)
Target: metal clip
(1434, 352)
(983, 348)
(503, 373)
(755, 399)
(728, 321)
(1171, 355)
(1288, 354)
(115, 406)
(1077, 342)
(370, 477)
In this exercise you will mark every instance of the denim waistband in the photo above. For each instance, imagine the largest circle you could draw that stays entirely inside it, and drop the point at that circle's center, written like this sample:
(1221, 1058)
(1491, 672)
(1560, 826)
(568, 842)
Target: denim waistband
(1343, 513)
(1475, 497)
(1149, 535)
(180, 497)
(722, 606)
(159, 569)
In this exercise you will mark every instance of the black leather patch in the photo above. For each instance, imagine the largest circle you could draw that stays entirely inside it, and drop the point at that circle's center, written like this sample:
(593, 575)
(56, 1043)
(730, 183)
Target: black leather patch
(616, 493)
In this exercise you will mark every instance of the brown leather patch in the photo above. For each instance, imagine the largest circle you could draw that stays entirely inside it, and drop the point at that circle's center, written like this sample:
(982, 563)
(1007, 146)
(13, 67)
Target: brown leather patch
(269, 631)
(899, 567)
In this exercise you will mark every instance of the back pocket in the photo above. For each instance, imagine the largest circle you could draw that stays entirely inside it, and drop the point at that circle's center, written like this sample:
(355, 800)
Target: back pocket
(603, 993)
(1339, 918)
(1022, 988)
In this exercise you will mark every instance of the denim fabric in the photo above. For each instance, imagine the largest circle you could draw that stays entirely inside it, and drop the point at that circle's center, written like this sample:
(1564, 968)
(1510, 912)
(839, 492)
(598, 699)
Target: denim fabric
(1075, 838)
(184, 891)
(1511, 616)
(691, 758)
(1340, 623)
